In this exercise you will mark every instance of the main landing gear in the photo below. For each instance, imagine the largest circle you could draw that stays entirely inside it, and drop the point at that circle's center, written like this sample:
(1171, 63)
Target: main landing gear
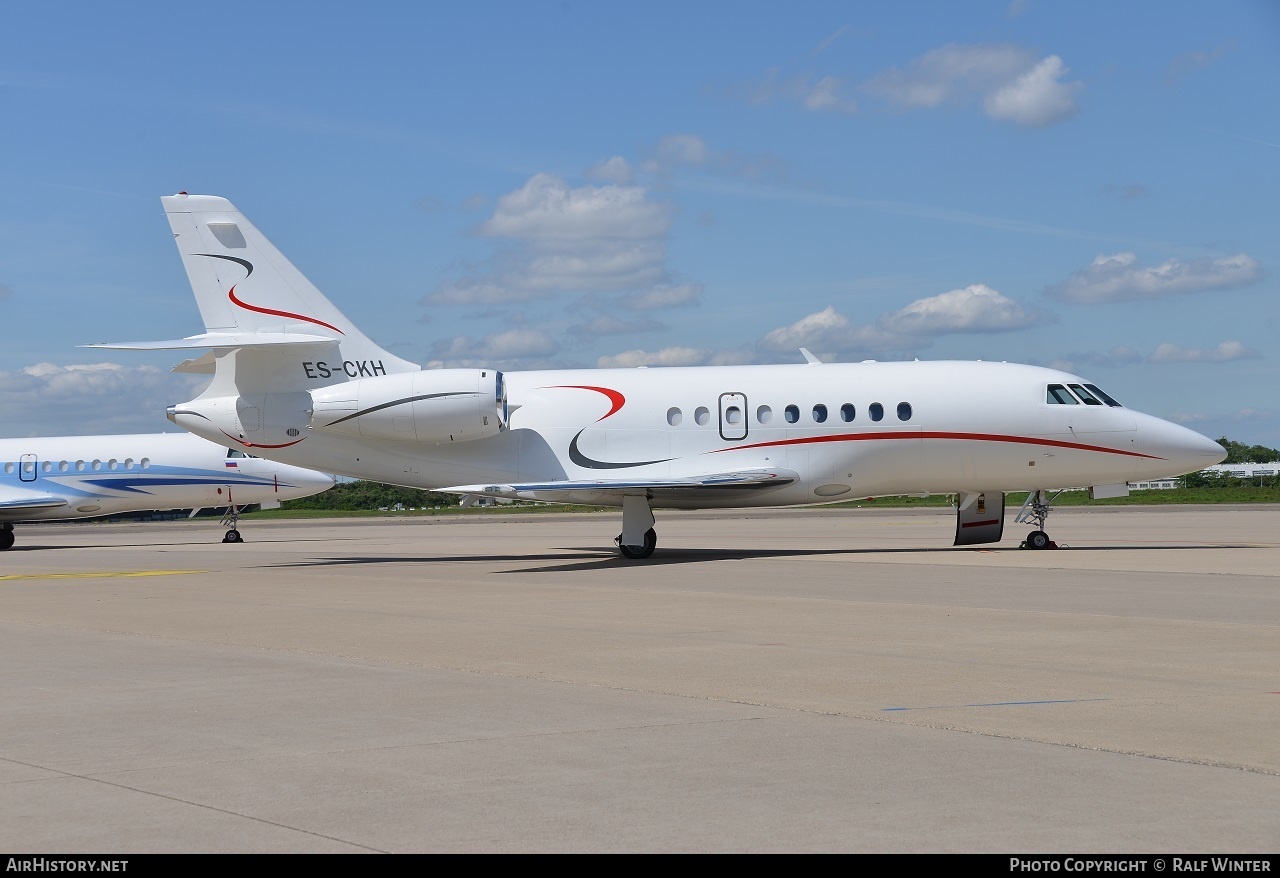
(6, 536)
(1036, 509)
(638, 538)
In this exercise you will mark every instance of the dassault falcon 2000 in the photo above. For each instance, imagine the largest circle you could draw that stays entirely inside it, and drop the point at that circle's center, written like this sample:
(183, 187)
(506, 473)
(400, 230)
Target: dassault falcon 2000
(294, 380)
(57, 478)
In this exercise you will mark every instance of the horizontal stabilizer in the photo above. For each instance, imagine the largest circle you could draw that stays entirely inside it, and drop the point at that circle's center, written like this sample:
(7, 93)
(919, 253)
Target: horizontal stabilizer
(220, 340)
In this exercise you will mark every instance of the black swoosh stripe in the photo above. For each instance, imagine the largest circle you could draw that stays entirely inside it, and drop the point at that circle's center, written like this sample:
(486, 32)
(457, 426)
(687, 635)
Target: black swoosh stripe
(387, 405)
(583, 461)
(248, 266)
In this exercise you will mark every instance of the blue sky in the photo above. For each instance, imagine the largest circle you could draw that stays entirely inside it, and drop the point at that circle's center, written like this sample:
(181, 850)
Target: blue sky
(566, 184)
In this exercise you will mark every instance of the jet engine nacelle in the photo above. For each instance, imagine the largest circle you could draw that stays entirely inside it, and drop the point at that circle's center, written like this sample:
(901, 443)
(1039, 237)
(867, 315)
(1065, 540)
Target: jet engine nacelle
(433, 406)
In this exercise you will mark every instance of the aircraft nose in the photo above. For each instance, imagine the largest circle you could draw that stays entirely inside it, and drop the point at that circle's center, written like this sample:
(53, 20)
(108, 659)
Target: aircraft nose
(322, 481)
(1187, 450)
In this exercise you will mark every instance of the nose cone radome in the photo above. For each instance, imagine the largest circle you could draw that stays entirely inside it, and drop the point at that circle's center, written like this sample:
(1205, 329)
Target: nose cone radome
(304, 482)
(1179, 450)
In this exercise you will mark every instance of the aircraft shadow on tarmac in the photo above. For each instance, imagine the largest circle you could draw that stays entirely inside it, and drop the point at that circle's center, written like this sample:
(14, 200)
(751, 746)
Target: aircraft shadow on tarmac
(594, 558)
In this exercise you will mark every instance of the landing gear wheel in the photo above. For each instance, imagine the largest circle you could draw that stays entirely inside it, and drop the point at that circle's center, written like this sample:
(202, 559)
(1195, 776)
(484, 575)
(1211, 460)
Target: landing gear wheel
(1038, 539)
(6, 538)
(233, 536)
(637, 552)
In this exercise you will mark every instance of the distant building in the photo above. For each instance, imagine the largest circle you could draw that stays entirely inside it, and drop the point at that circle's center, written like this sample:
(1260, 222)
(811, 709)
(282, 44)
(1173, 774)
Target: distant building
(1234, 470)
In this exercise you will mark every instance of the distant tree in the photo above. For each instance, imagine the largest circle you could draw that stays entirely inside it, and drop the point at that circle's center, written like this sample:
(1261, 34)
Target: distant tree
(1238, 452)
(365, 495)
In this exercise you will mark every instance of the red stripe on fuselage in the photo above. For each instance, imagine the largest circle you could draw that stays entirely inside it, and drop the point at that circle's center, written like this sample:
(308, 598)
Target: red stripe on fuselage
(259, 444)
(231, 294)
(970, 437)
(616, 398)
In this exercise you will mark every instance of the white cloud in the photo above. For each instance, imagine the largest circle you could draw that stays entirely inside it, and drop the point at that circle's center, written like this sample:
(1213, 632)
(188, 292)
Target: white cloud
(1223, 353)
(673, 356)
(513, 344)
(831, 336)
(950, 73)
(604, 264)
(47, 399)
(559, 239)
(976, 308)
(1014, 87)
(1120, 355)
(482, 291)
(682, 149)
(614, 170)
(662, 296)
(825, 95)
(690, 151)
(1195, 60)
(1119, 278)
(1037, 98)
(547, 207)
(606, 324)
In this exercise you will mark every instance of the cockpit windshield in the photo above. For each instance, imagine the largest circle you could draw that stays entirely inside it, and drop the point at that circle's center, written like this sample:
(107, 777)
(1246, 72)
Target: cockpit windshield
(1089, 394)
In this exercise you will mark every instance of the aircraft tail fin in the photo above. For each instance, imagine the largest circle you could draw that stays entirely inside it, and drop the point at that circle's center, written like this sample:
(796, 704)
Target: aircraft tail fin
(249, 293)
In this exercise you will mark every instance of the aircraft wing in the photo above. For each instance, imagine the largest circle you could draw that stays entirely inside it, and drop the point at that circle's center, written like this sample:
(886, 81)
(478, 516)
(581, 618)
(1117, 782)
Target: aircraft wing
(12, 502)
(687, 490)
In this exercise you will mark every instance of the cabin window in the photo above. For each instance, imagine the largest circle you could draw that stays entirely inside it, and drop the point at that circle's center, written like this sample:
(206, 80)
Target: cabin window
(674, 416)
(702, 416)
(97, 465)
(112, 464)
(791, 413)
(47, 466)
(1093, 388)
(733, 415)
(819, 413)
(8, 468)
(764, 414)
(904, 411)
(128, 463)
(876, 411)
(847, 412)
(1085, 396)
(1059, 395)
(63, 466)
(28, 466)
(146, 463)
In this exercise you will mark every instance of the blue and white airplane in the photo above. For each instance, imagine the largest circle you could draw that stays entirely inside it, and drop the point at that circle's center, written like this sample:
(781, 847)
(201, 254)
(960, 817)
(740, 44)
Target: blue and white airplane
(295, 380)
(68, 477)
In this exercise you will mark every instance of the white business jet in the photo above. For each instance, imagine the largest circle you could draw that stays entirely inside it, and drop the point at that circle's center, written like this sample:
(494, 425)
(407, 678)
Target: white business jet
(67, 477)
(294, 380)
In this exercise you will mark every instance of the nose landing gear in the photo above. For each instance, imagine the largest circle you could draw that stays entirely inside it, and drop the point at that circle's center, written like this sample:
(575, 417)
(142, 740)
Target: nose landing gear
(1036, 510)
(232, 520)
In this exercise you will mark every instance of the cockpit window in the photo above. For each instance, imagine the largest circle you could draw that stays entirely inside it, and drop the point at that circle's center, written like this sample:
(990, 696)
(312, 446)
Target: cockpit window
(1102, 396)
(1059, 395)
(235, 452)
(1086, 396)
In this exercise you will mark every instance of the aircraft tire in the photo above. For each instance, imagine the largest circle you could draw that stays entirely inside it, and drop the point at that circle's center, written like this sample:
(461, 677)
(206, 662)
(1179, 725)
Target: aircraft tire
(233, 536)
(638, 552)
(6, 539)
(1037, 539)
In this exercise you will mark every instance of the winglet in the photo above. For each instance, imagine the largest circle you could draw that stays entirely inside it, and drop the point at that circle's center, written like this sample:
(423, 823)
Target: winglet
(810, 358)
